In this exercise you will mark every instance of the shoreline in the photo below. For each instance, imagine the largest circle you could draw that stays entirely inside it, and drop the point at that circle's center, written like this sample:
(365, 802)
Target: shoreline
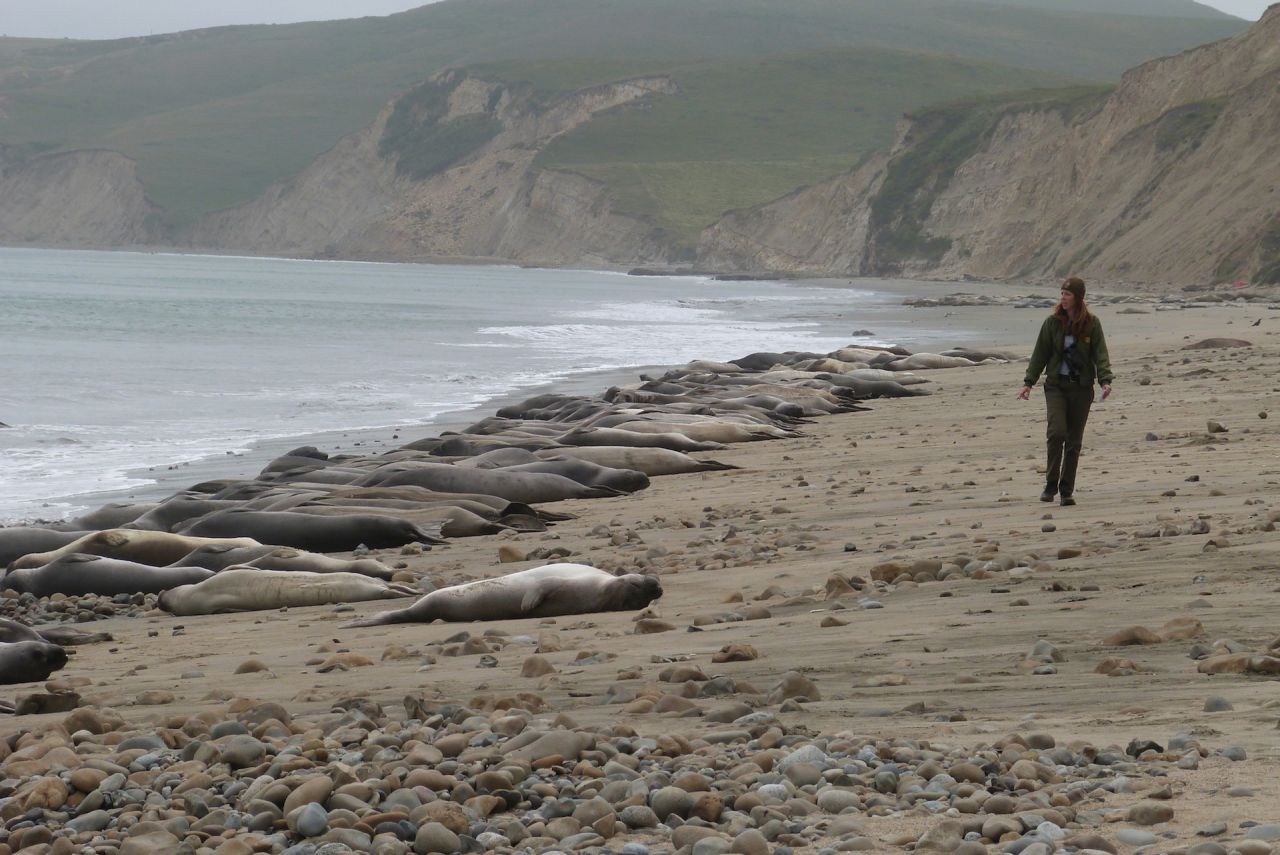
(940, 328)
(919, 328)
(1175, 527)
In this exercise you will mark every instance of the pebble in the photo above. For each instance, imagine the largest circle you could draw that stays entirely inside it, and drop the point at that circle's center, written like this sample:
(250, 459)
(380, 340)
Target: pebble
(1207, 848)
(1217, 703)
(1269, 831)
(311, 820)
(1150, 813)
(435, 837)
(1134, 837)
(498, 778)
(1234, 753)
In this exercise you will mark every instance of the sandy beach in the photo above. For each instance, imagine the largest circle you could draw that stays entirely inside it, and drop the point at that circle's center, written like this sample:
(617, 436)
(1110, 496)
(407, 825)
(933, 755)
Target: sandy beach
(822, 554)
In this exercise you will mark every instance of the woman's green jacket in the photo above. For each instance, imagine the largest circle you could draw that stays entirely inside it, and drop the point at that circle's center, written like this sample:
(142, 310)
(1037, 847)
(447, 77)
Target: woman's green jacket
(1091, 350)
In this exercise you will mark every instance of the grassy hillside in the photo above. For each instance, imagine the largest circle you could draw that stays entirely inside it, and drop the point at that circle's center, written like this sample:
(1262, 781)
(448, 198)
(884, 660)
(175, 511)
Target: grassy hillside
(213, 116)
(743, 132)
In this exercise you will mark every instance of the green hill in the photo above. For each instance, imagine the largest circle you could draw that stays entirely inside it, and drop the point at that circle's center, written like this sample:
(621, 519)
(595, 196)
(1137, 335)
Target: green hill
(214, 116)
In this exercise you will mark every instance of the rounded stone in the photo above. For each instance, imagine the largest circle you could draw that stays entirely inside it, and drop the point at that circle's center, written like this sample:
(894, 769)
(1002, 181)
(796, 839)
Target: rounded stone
(310, 821)
(1136, 837)
(835, 800)
(638, 816)
(1150, 813)
(750, 842)
(671, 800)
(240, 752)
(434, 837)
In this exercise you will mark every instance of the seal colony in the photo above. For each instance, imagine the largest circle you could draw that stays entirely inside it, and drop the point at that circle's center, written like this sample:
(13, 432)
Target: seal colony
(482, 481)
(259, 544)
(865, 643)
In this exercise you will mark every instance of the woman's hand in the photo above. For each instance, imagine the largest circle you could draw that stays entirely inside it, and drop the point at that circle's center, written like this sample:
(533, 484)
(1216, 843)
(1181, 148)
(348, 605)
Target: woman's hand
(1106, 390)
(1026, 392)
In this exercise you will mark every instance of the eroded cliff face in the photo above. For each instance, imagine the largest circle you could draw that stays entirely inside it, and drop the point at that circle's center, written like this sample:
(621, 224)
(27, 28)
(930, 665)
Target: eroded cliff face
(1172, 178)
(79, 198)
(363, 200)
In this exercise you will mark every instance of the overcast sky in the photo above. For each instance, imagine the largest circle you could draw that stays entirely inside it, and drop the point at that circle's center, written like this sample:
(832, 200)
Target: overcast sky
(102, 19)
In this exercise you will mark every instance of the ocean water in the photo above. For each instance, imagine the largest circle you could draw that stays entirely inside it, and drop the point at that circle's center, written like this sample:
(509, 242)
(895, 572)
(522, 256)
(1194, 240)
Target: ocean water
(116, 364)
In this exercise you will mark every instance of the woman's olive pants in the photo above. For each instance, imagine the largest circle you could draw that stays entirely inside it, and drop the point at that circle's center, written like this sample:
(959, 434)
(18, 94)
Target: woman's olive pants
(1067, 405)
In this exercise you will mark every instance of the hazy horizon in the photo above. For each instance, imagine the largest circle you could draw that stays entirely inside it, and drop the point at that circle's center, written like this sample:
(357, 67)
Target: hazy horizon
(91, 19)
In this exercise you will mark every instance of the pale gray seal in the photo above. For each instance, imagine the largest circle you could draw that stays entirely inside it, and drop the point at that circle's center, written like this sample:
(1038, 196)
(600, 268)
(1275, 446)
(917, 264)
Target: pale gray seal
(288, 559)
(554, 589)
(527, 487)
(78, 574)
(156, 548)
(650, 461)
(721, 431)
(614, 436)
(246, 589)
(919, 361)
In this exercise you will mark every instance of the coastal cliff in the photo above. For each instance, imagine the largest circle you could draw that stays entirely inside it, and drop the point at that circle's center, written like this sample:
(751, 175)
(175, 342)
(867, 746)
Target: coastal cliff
(81, 198)
(1171, 177)
(449, 171)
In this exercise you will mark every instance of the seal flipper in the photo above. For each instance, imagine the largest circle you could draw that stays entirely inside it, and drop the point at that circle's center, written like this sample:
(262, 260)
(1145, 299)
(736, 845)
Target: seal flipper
(532, 599)
(405, 615)
(549, 599)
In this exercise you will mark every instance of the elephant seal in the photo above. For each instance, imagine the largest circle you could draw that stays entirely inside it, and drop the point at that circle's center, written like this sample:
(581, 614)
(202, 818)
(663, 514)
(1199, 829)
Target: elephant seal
(924, 361)
(307, 531)
(29, 661)
(295, 560)
(614, 436)
(650, 461)
(112, 515)
(586, 473)
(217, 556)
(78, 574)
(63, 636)
(171, 513)
(247, 589)
(524, 487)
(764, 360)
(548, 591)
(156, 548)
(864, 388)
(442, 520)
(21, 540)
(724, 432)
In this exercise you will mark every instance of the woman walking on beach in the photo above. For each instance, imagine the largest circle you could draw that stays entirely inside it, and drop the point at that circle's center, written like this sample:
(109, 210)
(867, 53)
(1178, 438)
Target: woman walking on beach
(1072, 353)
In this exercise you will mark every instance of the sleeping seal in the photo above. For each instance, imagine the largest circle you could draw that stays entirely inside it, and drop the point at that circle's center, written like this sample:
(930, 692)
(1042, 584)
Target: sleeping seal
(18, 541)
(29, 661)
(247, 589)
(156, 548)
(555, 589)
(76, 575)
(305, 531)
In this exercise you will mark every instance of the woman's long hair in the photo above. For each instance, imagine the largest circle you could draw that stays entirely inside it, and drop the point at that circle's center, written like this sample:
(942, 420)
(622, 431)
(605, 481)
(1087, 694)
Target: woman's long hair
(1080, 325)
